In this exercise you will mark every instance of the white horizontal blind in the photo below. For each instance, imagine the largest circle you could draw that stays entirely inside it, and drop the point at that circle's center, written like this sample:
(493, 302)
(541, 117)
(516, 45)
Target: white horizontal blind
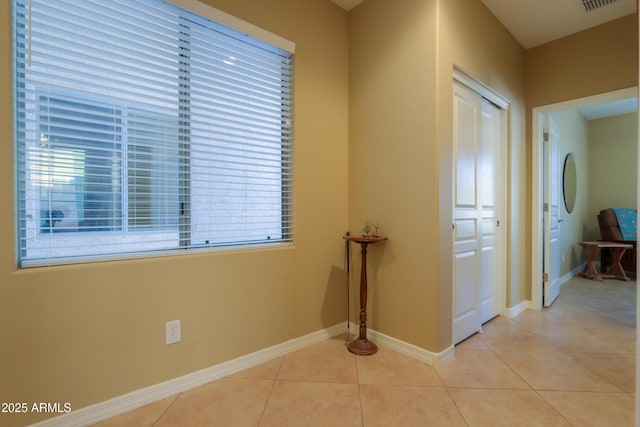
(142, 128)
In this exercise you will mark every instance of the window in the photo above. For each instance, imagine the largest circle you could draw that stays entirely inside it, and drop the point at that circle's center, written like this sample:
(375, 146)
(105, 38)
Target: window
(143, 128)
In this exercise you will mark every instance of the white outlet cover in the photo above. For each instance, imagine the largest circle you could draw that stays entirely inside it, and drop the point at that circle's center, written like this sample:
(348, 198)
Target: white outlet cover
(173, 332)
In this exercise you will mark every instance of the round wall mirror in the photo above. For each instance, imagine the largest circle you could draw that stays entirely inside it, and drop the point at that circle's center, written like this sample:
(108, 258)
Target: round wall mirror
(569, 182)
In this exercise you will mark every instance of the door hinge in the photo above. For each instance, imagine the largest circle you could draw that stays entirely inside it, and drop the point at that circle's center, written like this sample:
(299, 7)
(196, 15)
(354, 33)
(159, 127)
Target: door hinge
(545, 207)
(545, 136)
(545, 277)
(498, 223)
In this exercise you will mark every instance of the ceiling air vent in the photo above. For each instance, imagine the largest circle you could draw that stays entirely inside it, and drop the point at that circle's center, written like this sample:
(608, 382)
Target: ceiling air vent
(590, 5)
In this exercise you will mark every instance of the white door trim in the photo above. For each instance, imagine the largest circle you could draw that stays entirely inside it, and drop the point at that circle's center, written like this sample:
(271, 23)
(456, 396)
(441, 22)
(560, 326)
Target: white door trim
(537, 173)
(480, 88)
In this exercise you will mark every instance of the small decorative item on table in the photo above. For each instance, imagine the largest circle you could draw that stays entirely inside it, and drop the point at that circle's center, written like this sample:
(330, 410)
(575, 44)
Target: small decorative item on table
(361, 345)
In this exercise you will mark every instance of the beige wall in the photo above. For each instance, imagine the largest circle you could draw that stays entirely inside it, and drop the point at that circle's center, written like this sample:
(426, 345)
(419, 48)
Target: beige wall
(613, 166)
(595, 61)
(472, 39)
(86, 333)
(401, 73)
(393, 161)
(599, 60)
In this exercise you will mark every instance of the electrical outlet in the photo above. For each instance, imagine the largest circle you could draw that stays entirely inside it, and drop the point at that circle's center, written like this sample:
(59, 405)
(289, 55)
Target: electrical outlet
(174, 334)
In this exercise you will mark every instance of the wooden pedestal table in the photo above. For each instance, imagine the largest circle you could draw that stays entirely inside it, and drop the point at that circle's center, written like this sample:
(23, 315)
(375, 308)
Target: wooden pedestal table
(616, 271)
(361, 345)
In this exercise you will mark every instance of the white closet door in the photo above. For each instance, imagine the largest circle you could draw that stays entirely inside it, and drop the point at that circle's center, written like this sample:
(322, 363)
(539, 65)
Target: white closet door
(466, 234)
(489, 166)
(477, 133)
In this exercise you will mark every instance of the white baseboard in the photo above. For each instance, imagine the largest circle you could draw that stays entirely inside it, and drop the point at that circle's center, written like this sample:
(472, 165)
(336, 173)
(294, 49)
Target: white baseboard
(512, 312)
(430, 358)
(573, 273)
(136, 399)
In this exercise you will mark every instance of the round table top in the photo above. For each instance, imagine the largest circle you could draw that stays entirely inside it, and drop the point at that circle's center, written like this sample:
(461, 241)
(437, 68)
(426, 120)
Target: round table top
(365, 239)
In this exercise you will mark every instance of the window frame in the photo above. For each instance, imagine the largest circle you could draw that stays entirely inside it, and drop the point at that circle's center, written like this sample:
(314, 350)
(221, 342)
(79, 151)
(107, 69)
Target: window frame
(184, 245)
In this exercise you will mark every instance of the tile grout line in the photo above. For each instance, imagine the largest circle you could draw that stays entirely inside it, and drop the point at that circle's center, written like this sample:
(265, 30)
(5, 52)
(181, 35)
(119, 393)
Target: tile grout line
(451, 397)
(166, 409)
(553, 407)
(359, 391)
(273, 386)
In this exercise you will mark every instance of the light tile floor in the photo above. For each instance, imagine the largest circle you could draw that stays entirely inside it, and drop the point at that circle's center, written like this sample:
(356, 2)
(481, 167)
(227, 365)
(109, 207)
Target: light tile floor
(570, 365)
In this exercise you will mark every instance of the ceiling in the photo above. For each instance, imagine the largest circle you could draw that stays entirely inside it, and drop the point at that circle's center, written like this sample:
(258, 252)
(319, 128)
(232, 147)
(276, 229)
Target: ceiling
(608, 109)
(536, 22)
(347, 4)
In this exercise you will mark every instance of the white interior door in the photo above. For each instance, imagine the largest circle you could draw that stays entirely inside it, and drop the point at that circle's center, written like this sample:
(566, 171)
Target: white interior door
(466, 244)
(551, 269)
(476, 243)
(489, 167)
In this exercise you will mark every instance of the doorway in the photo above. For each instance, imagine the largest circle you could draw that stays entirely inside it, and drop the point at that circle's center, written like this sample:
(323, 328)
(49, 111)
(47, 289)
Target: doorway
(539, 238)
